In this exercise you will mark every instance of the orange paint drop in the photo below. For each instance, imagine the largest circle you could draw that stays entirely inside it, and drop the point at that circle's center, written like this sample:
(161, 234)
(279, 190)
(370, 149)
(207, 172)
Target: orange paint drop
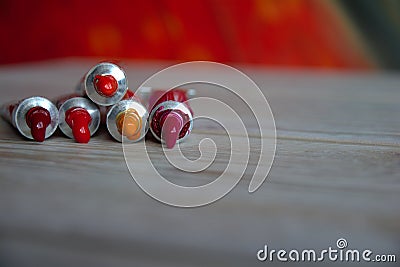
(129, 124)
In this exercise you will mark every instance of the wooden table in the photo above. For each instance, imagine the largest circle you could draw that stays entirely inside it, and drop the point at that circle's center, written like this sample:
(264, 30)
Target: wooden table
(336, 174)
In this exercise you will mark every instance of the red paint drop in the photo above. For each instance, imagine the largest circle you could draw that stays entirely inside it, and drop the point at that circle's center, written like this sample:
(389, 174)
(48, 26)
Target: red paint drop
(79, 119)
(171, 125)
(38, 119)
(106, 85)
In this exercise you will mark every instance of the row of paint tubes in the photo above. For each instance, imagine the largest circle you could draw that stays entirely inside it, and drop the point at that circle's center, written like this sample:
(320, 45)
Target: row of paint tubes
(103, 97)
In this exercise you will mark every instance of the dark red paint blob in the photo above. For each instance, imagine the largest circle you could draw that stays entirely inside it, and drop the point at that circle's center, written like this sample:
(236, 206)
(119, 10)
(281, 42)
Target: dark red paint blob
(105, 85)
(79, 119)
(179, 120)
(171, 125)
(38, 119)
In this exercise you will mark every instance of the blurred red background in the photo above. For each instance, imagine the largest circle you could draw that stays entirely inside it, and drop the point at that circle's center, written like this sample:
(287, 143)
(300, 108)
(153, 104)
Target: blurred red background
(309, 33)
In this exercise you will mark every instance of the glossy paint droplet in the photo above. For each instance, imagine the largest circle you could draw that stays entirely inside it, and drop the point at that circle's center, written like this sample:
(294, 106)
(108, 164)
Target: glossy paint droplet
(38, 119)
(129, 124)
(171, 125)
(105, 85)
(79, 120)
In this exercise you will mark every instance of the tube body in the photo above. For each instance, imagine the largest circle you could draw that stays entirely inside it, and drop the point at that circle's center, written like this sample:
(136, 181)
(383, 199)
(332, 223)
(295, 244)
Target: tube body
(35, 117)
(127, 120)
(171, 118)
(105, 84)
(79, 118)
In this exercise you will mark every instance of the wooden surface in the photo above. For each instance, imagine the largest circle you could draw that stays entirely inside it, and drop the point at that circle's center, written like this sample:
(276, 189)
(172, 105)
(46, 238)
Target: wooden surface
(336, 174)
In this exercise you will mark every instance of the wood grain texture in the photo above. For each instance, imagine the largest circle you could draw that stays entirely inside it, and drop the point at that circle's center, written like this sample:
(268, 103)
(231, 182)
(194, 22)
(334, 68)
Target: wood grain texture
(336, 174)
